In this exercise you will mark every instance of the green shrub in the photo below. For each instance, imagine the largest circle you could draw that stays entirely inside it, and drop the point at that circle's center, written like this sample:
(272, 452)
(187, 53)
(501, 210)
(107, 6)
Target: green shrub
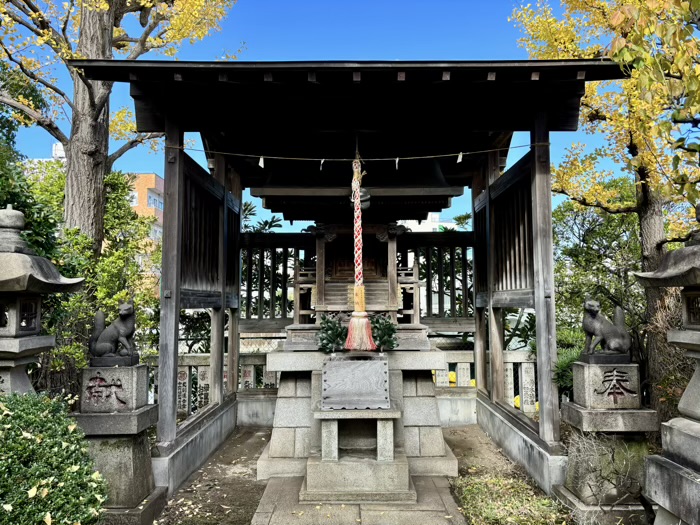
(331, 335)
(570, 346)
(384, 332)
(46, 475)
(497, 500)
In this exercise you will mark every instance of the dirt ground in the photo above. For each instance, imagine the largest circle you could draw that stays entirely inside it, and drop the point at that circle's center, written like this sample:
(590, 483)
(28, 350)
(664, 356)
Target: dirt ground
(225, 491)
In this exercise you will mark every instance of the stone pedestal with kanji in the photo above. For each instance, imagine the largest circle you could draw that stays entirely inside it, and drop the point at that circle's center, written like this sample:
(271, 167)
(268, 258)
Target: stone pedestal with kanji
(608, 446)
(115, 418)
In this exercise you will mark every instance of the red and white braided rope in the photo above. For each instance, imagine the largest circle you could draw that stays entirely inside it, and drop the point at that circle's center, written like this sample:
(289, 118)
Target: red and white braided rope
(357, 224)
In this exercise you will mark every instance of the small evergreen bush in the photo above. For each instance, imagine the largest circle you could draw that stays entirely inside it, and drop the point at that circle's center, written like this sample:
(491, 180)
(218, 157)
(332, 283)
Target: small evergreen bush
(46, 475)
(384, 333)
(570, 346)
(332, 334)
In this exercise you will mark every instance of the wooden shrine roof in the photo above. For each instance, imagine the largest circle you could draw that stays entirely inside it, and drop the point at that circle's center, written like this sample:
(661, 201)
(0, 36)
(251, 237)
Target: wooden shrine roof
(286, 111)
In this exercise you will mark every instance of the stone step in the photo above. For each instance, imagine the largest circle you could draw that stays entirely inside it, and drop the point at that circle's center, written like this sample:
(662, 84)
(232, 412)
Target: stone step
(358, 497)
(357, 472)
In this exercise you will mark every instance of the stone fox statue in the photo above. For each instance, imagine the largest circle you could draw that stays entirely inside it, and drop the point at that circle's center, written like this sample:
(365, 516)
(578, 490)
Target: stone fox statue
(105, 341)
(612, 337)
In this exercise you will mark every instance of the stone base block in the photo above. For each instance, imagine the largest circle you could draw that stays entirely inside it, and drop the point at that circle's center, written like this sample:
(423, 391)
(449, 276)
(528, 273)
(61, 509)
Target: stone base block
(358, 496)
(270, 467)
(606, 386)
(121, 389)
(13, 375)
(118, 423)
(143, 514)
(457, 406)
(673, 487)
(606, 469)
(602, 420)
(544, 466)
(605, 359)
(681, 440)
(114, 360)
(434, 466)
(664, 517)
(125, 462)
(600, 514)
(413, 337)
(357, 472)
(174, 462)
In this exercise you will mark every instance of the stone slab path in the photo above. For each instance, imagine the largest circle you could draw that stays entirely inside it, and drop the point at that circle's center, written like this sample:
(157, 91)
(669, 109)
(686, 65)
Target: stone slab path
(225, 490)
(435, 506)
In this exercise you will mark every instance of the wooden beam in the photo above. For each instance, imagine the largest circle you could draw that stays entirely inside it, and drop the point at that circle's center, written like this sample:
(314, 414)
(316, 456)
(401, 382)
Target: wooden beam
(513, 299)
(190, 299)
(544, 282)
(322, 192)
(202, 178)
(515, 174)
(174, 173)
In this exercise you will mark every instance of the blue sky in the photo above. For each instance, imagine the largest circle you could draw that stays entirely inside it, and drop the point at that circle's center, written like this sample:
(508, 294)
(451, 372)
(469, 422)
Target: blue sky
(342, 30)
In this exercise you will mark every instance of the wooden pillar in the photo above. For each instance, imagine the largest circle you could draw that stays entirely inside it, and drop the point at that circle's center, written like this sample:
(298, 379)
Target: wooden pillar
(233, 185)
(391, 272)
(218, 316)
(415, 318)
(544, 281)
(170, 281)
(481, 245)
(496, 337)
(320, 272)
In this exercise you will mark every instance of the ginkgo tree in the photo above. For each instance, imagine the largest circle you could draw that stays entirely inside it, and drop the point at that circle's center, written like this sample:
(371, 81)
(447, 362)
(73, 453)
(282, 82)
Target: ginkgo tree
(660, 40)
(39, 38)
(626, 113)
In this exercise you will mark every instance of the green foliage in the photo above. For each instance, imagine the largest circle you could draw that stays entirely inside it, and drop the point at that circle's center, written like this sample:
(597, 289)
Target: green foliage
(16, 85)
(384, 332)
(332, 334)
(569, 347)
(520, 329)
(595, 255)
(119, 273)
(46, 475)
(42, 218)
(496, 500)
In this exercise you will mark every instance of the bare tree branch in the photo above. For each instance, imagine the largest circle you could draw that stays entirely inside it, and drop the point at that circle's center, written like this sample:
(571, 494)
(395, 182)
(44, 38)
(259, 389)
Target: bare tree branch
(141, 46)
(37, 78)
(682, 238)
(64, 26)
(631, 208)
(131, 144)
(45, 122)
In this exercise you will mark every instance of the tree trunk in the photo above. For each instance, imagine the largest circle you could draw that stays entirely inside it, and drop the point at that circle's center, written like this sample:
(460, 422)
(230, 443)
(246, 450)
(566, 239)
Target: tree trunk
(87, 151)
(651, 230)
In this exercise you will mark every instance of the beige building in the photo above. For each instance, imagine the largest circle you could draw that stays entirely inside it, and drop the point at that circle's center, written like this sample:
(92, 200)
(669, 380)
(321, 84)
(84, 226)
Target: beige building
(147, 199)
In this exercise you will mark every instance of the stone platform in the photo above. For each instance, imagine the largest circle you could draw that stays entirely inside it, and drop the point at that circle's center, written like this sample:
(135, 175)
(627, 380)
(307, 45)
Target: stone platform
(434, 506)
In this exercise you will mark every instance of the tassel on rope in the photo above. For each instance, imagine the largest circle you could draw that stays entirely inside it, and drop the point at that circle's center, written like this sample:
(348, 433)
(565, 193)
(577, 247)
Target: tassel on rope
(360, 329)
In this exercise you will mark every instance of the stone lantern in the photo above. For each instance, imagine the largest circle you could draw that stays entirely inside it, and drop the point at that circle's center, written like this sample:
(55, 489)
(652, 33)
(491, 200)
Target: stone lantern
(673, 479)
(24, 277)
